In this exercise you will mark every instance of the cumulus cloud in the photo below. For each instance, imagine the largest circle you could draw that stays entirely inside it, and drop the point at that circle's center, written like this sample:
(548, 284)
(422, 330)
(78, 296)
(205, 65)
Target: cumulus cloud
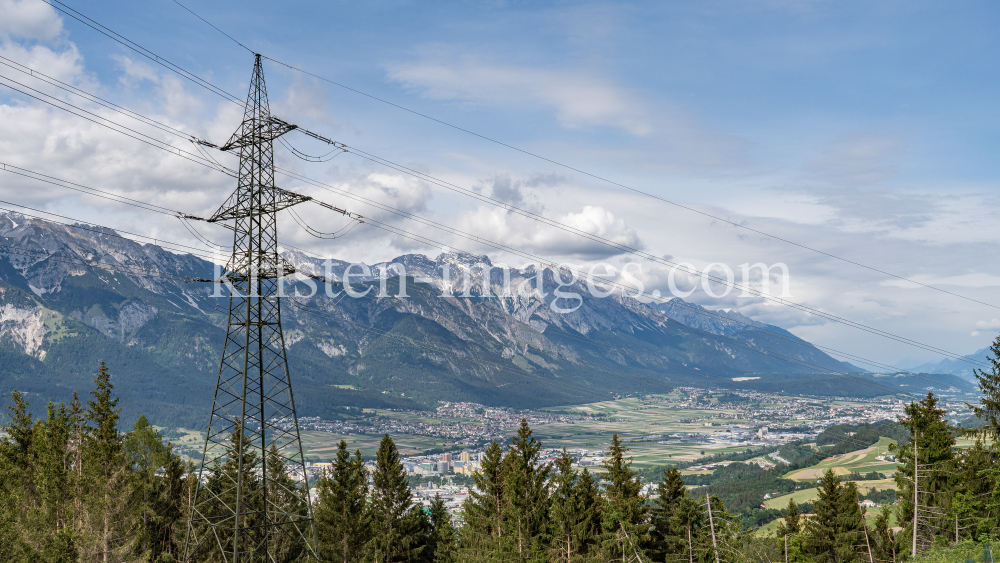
(988, 325)
(521, 232)
(29, 19)
(578, 98)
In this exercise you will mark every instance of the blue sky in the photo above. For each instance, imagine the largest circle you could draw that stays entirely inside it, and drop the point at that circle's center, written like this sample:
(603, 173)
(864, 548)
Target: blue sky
(866, 130)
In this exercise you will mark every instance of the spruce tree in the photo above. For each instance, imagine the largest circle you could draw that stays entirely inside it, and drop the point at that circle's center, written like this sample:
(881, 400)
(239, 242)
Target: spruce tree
(394, 525)
(16, 446)
(988, 408)
(341, 511)
(791, 527)
(52, 521)
(158, 474)
(884, 543)
(442, 541)
(823, 526)
(482, 536)
(592, 508)
(18, 469)
(935, 443)
(527, 495)
(836, 532)
(793, 519)
(665, 538)
(853, 541)
(624, 519)
(284, 546)
(147, 455)
(981, 513)
(222, 480)
(111, 524)
(691, 520)
(572, 525)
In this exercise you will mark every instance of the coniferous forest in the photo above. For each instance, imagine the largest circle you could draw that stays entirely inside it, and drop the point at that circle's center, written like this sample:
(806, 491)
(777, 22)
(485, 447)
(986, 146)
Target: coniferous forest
(78, 487)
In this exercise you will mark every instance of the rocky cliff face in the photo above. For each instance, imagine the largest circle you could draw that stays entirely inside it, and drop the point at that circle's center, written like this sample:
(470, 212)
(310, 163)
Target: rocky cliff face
(467, 329)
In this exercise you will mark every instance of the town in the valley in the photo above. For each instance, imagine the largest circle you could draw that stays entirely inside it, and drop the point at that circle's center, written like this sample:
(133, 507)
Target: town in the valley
(442, 448)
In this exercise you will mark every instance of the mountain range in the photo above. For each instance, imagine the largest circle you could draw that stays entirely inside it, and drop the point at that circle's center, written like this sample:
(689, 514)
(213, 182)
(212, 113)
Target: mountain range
(72, 296)
(962, 367)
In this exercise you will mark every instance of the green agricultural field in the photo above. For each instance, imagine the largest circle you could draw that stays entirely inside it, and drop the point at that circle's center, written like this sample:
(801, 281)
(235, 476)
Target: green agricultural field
(810, 495)
(324, 444)
(862, 461)
(771, 527)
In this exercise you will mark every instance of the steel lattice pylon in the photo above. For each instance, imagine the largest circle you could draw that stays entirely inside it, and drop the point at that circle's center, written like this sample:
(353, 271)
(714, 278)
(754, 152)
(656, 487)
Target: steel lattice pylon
(245, 508)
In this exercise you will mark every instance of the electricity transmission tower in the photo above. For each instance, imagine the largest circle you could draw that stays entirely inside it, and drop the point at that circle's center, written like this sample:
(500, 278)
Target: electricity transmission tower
(245, 506)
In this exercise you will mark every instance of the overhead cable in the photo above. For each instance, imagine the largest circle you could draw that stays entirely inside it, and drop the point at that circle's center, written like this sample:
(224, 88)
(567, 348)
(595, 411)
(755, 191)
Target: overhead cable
(442, 183)
(601, 178)
(624, 248)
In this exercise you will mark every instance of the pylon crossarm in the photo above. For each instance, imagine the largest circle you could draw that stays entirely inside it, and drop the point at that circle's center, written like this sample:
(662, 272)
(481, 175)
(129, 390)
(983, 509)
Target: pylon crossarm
(235, 209)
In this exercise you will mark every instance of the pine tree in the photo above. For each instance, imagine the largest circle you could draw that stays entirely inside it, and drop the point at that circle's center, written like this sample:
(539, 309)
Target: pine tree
(394, 525)
(527, 495)
(341, 513)
(442, 540)
(624, 523)
(482, 536)
(665, 538)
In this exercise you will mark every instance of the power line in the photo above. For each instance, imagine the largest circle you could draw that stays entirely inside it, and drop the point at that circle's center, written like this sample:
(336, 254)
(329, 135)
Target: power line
(640, 380)
(384, 226)
(636, 252)
(101, 230)
(203, 163)
(537, 217)
(425, 240)
(401, 232)
(133, 46)
(600, 178)
(763, 351)
(872, 330)
(91, 97)
(104, 122)
(213, 27)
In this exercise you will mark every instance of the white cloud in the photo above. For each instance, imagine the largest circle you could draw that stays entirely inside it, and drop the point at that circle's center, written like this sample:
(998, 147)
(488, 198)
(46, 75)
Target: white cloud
(29, 19)
(521, 232)
(988, 325)
(578, 98)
